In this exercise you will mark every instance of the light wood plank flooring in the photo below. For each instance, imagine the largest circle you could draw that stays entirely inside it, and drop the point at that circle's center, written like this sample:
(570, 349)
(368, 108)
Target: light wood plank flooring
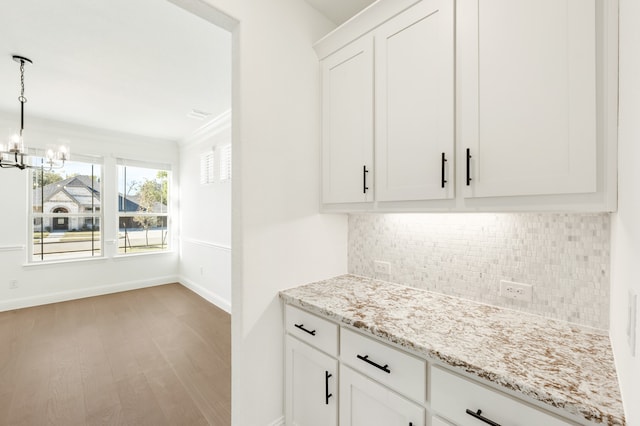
(156, 356)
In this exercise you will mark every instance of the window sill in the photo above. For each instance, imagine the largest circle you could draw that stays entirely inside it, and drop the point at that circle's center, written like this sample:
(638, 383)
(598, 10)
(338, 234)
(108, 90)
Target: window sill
(121, 257)
(63, 262)
(116, 258)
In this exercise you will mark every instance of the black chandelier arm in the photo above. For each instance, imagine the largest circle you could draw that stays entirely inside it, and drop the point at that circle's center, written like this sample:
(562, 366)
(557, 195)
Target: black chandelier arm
(12, 166)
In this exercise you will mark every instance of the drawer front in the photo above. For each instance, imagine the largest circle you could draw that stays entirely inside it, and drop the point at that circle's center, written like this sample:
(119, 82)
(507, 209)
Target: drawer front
(452, 396)
(394, 368)
(437, 421)
(316, 331)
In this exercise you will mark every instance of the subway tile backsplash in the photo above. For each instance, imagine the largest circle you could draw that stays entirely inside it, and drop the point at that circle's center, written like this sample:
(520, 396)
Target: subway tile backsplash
(564, 256)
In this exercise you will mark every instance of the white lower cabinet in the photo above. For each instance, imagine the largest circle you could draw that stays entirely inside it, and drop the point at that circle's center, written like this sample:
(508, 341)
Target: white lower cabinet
(338, 376)
(364, 402)
(310, 385)
(467, 403)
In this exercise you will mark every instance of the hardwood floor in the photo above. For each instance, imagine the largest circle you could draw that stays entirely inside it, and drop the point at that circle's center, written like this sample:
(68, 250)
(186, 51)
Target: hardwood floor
(156, 356)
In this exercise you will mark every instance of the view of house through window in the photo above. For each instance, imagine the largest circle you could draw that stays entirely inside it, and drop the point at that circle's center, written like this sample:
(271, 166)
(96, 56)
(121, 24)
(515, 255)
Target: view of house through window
(66, 212)
(142, 208)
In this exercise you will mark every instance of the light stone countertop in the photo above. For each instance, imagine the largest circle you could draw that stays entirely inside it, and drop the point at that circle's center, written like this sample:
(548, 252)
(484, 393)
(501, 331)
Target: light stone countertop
(557, 363)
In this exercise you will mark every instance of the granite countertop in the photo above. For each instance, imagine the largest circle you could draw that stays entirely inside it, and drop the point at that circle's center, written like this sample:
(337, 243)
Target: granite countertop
(557, 363)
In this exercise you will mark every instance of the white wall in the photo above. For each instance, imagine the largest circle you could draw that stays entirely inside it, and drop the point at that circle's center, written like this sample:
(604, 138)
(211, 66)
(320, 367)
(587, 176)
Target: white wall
(46, 283)
(205, 218)
(279, 240)
(625, 232)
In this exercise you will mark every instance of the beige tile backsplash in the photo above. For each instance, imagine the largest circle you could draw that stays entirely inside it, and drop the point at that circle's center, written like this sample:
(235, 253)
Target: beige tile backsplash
(564, 256)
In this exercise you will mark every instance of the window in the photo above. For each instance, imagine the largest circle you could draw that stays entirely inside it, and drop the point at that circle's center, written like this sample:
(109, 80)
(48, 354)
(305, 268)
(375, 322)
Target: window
(206, 167)
(216, 164)
(225, 163)
(143, 201)
(66, 211)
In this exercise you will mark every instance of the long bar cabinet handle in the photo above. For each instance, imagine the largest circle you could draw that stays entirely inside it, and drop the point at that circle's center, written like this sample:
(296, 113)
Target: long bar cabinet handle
(468, 167)
(301, 327)
(442, 179)
(477, 415)
(327, 395)
(366, 359)
(364, 179)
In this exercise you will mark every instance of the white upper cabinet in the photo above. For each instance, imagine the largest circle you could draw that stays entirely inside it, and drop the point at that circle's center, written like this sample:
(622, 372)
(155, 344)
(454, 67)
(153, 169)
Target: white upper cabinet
(527, 97)
(347, 141)
(414, 100)
(518, 96)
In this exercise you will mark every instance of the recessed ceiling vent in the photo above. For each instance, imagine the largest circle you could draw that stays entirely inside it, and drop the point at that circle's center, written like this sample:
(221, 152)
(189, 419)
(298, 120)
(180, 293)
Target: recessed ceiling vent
(198, 115)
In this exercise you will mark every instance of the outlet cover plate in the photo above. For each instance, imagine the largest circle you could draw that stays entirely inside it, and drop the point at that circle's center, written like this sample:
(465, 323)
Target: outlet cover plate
(516, 291)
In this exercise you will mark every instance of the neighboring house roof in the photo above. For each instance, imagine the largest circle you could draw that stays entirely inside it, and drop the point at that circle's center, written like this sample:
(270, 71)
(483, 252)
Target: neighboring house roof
(133, 205)
(79, 190)
(127, 204)
(76, 188)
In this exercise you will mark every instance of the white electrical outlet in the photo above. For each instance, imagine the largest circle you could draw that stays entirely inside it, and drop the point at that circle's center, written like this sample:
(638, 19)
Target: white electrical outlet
(631, 321)
(13, 284)
(516, 291)
(382, 267)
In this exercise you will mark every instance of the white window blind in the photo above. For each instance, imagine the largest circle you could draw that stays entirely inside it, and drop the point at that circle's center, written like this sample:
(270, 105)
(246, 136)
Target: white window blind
(206, 167)
(225, 163)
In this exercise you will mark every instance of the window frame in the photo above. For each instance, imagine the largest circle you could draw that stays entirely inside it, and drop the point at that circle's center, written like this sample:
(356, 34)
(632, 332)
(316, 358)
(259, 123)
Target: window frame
(119, 214)
(96, 213)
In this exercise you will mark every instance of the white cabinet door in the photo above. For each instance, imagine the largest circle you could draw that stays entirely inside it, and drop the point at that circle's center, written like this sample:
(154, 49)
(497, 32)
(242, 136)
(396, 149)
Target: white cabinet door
(414, 57)
(526, 93)
(364, 402)
(347, 139)
(311, 391)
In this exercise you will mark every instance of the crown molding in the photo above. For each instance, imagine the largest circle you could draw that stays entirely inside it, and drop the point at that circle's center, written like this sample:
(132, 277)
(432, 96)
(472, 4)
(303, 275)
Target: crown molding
(215, 126)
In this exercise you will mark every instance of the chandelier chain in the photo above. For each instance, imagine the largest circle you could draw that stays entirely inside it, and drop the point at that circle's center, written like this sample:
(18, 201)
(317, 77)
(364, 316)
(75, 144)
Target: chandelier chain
(22, 99)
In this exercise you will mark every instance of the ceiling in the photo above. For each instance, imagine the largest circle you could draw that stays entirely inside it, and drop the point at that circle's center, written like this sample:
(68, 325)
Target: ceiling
(132, 66)
(339, 11)
(136, 67)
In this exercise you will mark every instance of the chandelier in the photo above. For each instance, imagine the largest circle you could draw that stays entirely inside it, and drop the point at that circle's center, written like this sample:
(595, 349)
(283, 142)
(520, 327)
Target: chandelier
(14, 154)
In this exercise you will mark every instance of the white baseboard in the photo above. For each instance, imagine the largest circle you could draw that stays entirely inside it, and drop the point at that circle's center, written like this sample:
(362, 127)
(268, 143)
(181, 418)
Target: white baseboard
(277, 422)
(63, 296)
(208, 295)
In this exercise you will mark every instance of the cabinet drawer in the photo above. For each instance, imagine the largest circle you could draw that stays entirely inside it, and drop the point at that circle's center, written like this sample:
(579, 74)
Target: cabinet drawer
(312, 329)
(452, 396)
(394, 368)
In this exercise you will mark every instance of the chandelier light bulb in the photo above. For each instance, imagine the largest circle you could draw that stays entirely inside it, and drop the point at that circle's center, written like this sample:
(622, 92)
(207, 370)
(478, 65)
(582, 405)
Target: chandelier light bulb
(15, 144)
(63, 153)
